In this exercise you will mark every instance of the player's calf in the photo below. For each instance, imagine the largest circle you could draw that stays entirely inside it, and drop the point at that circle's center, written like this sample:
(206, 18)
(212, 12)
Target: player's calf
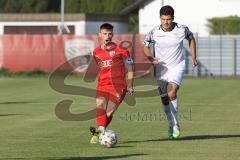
(162, 89)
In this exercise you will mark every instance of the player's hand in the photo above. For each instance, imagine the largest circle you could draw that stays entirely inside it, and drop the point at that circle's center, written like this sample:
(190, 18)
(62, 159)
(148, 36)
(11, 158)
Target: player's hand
(194, 62)
(130, 90)
(153, 60)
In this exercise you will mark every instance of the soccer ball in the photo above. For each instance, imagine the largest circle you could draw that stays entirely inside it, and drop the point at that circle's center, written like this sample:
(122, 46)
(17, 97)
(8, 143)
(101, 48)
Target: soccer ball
(108, 139)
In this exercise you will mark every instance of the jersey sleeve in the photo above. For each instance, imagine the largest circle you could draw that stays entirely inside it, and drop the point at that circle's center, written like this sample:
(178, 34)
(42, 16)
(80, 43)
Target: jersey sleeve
(92, 70)
(188, 33)
(127, 58)
(148, 41)
(95, 59)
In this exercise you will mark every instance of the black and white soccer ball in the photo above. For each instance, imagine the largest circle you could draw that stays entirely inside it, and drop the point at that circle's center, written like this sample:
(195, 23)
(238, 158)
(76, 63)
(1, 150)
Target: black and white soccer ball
(108, 139)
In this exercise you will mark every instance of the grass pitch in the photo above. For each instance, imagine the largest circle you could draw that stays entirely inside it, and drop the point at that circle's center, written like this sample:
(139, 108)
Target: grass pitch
(209, 115)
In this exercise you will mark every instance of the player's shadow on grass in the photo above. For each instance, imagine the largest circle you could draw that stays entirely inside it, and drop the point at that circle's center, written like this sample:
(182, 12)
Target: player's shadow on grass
(207, 137)
(10, 114)
(122, 146)
(187, 138)
(16, 102)
(101, 157)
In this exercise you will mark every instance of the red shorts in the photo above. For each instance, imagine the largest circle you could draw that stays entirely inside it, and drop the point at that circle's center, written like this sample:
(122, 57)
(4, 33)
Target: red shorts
(114, 94)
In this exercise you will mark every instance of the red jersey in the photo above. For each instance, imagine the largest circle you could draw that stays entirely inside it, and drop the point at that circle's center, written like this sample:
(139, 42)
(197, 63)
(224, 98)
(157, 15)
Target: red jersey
(111, 66)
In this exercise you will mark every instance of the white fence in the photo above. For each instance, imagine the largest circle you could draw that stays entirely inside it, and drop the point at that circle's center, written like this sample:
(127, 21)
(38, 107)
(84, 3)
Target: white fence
(217, 56)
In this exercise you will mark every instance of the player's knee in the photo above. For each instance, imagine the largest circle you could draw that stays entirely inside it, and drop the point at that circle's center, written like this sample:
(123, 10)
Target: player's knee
(100, 102)
(172, 96)
(172, 91)
(165, 100)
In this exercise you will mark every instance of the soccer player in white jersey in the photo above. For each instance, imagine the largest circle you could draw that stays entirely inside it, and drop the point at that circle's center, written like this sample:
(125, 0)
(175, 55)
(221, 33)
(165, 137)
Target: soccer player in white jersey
(169, 61)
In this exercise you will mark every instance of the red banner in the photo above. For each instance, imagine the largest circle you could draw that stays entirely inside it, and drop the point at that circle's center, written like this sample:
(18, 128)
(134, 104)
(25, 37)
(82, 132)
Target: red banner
(1, 52)
(47, 52)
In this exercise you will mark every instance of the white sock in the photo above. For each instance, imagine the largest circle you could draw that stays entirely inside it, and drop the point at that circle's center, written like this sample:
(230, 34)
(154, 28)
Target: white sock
(169, 116)
(101, 129)
(173, 105)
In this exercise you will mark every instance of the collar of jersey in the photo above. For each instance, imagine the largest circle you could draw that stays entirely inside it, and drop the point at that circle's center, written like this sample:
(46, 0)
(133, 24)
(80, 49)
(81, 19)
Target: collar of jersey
(174, 25)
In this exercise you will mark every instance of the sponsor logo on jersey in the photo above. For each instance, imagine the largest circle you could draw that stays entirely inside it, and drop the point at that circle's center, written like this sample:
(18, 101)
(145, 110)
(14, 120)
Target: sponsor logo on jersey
(106, 63)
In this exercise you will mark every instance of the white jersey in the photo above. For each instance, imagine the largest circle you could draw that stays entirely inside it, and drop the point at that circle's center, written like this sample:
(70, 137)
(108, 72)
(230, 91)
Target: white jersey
(168, 46)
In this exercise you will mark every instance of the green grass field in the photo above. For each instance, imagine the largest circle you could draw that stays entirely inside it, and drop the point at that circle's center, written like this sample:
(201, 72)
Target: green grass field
(209, 113)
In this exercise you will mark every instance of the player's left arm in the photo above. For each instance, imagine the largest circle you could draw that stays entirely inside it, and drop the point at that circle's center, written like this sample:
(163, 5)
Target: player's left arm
(129, 67)
(129, 79)
(192, 45)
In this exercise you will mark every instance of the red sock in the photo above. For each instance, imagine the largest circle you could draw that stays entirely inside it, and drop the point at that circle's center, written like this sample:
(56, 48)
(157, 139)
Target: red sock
(109, 119)
(101, 118)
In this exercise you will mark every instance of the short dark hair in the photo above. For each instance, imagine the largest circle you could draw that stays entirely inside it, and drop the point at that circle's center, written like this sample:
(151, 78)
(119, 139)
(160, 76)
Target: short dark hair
(167, 10)
(106, 26)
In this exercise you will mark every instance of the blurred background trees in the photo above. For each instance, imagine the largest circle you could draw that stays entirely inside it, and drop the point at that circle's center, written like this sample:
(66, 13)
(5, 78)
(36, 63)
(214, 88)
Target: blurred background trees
(224, 25)
(71, 6)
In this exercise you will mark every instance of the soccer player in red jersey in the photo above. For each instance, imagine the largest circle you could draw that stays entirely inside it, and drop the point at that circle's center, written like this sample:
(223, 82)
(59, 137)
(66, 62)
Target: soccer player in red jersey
(113, 63)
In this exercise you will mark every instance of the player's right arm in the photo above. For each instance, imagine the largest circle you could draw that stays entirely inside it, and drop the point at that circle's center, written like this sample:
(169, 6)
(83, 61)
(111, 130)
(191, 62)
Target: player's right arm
(147, 51)
(148, 42)
(92, 70)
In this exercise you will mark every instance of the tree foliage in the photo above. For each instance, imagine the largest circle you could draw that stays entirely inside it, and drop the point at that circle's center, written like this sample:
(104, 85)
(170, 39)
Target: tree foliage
(224, 25)
(96, 6)
(71, 6)
(29, 6)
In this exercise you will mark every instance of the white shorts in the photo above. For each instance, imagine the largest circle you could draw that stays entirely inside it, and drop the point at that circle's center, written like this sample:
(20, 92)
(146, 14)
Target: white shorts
(173, 74)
